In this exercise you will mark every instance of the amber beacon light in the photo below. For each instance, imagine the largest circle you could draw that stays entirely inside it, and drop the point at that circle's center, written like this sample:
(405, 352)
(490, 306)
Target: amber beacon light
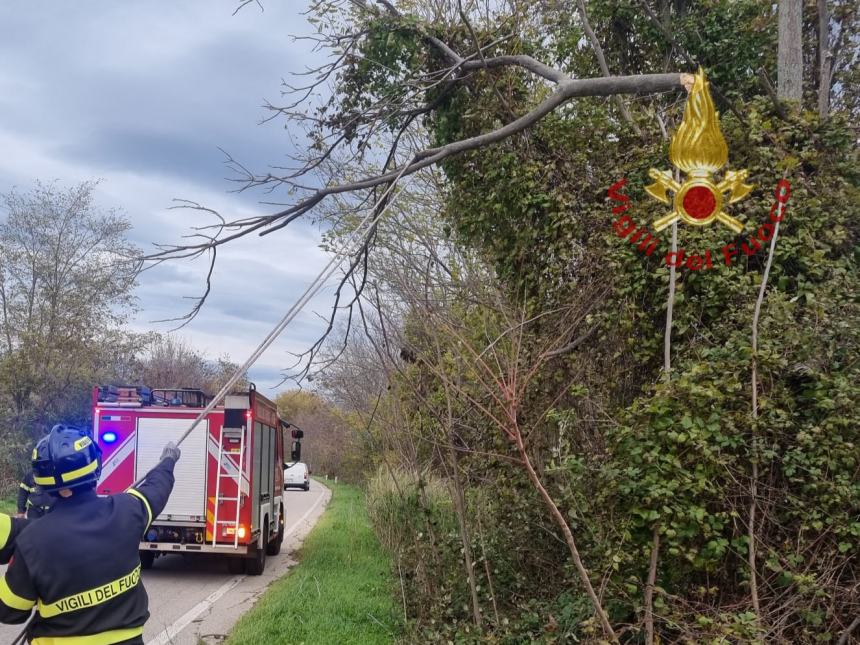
(698, 149)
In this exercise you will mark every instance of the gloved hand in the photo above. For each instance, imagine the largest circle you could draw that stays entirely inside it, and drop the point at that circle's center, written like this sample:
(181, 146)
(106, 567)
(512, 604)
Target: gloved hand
(171, 451)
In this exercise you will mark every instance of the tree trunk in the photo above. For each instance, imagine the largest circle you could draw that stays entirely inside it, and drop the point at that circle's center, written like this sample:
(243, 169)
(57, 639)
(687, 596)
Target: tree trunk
(649, 588)
(790, 51)
(823, 60)
(465, 537)
(559, 518)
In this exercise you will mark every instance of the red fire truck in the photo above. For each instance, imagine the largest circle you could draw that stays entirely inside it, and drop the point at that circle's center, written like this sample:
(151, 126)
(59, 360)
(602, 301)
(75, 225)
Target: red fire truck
(228, 496)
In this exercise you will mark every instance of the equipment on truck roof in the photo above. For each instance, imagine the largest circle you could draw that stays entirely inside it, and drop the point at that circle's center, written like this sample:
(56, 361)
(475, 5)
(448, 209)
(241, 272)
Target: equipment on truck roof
(134, 396)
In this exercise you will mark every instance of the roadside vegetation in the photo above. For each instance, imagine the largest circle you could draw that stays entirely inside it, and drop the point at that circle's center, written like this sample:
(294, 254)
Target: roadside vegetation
(8, 505)
(341, 591)
(574, 443)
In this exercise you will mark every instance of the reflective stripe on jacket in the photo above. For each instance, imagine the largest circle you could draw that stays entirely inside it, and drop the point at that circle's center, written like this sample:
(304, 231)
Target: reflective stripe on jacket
(10, 527)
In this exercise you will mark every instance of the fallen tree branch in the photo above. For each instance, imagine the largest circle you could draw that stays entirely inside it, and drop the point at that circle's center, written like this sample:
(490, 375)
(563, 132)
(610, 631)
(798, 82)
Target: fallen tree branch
(566, 90)
(843, 640)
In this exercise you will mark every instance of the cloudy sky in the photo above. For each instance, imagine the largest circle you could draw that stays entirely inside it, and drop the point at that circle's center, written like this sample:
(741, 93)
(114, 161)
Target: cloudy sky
(141, 95)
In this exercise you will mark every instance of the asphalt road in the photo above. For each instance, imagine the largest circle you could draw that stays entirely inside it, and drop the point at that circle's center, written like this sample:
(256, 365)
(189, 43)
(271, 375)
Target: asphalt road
(196, 600)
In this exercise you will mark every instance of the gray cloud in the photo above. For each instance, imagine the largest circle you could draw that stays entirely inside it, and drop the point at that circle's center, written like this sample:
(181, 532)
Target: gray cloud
(149, 152)
(142, 97)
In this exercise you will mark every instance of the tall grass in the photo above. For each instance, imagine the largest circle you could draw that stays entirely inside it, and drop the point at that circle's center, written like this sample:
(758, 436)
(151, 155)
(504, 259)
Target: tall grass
(403, 503)
(342, 590)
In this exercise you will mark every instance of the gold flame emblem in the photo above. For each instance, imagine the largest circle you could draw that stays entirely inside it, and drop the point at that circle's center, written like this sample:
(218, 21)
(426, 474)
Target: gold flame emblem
(698, 149)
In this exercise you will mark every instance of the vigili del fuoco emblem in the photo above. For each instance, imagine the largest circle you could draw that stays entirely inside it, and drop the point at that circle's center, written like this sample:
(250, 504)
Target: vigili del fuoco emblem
(698, 149)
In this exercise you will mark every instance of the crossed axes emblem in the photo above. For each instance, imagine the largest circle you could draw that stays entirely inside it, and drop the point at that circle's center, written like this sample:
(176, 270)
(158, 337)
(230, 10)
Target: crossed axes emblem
(698, 201)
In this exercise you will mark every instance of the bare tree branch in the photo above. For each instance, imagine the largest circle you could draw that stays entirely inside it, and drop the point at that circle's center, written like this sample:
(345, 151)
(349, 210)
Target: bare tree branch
(566, 90)
(601, 60)
(573, 344)
(245, 3)
(337, 172)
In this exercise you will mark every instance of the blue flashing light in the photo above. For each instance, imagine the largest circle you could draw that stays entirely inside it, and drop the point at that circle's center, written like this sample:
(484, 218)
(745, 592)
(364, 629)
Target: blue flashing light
(109, 437)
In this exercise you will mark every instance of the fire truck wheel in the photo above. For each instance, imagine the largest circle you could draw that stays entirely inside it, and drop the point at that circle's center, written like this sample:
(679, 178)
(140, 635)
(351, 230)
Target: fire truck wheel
(274, 547)
(255, 565)
(146, 559)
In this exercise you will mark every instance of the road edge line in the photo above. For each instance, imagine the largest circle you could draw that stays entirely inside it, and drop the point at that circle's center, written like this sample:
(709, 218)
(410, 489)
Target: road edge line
(308, 512)
(188, 617)
(170, 632)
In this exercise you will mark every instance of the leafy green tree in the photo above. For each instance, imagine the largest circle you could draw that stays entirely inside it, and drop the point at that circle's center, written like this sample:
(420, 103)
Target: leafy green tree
(332, 444)
(169, 361)
(66, 279)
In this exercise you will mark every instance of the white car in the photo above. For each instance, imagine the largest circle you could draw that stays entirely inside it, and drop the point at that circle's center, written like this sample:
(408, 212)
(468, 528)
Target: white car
(296, 476)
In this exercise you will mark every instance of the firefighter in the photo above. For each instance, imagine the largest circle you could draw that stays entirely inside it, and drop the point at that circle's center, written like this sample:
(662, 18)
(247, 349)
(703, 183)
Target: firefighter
(32, 500)
(79, 565)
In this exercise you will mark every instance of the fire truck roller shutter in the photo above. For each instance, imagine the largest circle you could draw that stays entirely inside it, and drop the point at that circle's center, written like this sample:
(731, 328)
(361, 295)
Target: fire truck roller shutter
(266, 474)
(188, 499)
(257, 464)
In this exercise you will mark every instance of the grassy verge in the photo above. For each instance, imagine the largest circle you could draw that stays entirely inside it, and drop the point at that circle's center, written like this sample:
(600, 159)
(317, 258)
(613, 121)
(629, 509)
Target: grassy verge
(8, 505)
(341, 591)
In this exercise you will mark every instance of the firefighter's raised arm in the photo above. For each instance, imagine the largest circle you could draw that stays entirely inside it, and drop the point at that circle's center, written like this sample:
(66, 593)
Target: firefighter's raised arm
(157, 485)
(10, 527)
(17, 593)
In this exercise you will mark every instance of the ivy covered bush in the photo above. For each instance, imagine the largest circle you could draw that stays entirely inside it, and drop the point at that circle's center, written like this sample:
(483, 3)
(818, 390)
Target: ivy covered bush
(748, 522)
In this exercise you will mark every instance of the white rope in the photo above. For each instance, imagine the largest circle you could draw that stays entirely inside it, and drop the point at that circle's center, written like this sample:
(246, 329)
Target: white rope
(345, 250)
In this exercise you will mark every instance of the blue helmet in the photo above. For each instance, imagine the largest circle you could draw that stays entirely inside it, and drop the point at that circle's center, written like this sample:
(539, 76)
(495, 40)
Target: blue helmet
(66, 458)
